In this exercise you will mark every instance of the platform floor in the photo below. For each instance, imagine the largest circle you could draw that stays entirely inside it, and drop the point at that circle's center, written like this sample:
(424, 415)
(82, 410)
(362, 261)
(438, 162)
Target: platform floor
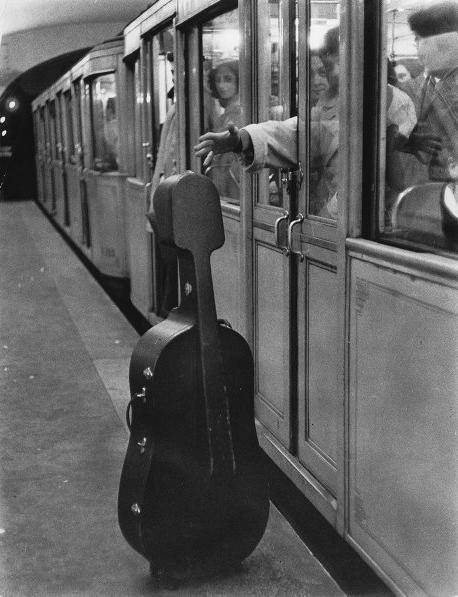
(64, 350)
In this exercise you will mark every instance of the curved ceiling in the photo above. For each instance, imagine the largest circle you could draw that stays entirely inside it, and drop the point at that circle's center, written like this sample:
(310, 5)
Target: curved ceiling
(20, 15)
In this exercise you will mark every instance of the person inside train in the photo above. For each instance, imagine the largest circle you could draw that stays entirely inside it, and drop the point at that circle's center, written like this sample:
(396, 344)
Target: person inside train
(436, 94)
(400, 122)
(166, 165)
(430, 151)
(274, 143)
(323, 102)
(111, 135)
(324, 131)
(223, 81)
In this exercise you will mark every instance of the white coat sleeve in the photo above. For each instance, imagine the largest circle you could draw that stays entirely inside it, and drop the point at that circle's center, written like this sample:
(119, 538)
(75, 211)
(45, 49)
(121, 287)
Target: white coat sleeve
(274, 144)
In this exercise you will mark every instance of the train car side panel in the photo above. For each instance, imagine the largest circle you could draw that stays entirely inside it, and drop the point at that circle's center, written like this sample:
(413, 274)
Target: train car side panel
(403, 420)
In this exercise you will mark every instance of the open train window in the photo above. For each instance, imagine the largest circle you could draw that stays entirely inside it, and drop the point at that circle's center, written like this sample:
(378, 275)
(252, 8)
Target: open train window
(418, 160)
(104, 122)
(221, 95)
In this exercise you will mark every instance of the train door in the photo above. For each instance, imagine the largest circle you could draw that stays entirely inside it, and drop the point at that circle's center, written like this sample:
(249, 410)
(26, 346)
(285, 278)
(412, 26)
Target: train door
(65, 220)
(160, 145)
(51, 151)
(80, 159)
(59, 167)
(294, 280)
(42, 153)
(313, 237)
(68, 149)
(216, 63)
(38, 158)
(273, 275)
(137, 236)
(74, 164)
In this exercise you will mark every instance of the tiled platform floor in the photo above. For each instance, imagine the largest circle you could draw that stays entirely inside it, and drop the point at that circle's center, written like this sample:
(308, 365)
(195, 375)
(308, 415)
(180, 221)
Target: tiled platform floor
(64, 350)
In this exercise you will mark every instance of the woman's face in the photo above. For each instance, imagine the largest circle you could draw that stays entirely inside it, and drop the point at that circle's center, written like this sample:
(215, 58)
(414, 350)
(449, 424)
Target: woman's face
(225, 83)
(318, 81)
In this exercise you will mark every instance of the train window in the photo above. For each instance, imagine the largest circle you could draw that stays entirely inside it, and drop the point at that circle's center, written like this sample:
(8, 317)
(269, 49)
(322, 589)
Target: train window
(42, 131)
(274, 83)
(105, 134)
(70, 141)
(221, 100)
(78, 122)
(323, 108)
(52, 129)
(137, 112)
(59, 127)
(163, 105)
(419, 124)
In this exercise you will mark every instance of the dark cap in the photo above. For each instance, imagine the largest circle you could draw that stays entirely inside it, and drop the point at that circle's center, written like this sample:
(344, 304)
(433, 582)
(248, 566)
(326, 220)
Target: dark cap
(435, 19)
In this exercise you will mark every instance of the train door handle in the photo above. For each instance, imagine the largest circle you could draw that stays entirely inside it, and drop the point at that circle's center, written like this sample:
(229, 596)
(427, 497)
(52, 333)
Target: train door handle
(299, 219)
(278, 221)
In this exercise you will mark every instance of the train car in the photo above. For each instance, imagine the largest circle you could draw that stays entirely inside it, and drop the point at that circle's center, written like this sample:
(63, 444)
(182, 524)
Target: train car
(149, 47)
(339, 267)
(82, 125)
(18, 157)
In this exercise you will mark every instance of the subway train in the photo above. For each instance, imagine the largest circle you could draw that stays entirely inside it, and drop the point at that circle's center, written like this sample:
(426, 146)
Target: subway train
(339, 267)
(17, 150)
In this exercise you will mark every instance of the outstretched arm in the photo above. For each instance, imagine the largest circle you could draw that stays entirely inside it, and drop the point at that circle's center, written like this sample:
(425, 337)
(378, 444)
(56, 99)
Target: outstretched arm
(270, 144)
(211, 144)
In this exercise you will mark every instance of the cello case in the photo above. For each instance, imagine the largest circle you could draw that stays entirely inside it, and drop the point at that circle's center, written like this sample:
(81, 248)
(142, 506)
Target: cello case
(193, 496)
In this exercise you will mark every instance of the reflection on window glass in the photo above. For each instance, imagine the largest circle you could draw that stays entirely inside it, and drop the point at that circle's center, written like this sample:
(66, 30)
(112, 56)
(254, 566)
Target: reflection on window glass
(324, 108)
(164, 118)
(105, 131)
(220, 46)
(421, 120)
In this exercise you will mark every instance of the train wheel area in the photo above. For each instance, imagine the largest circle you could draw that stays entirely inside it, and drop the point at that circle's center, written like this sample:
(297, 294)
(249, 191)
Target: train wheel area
(65, 352)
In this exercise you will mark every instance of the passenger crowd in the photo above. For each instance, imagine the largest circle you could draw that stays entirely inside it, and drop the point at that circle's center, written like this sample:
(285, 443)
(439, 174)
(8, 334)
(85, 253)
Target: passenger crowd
(421, 119)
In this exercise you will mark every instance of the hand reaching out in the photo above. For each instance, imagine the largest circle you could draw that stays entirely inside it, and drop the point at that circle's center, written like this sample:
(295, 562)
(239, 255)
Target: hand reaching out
(211, 144)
